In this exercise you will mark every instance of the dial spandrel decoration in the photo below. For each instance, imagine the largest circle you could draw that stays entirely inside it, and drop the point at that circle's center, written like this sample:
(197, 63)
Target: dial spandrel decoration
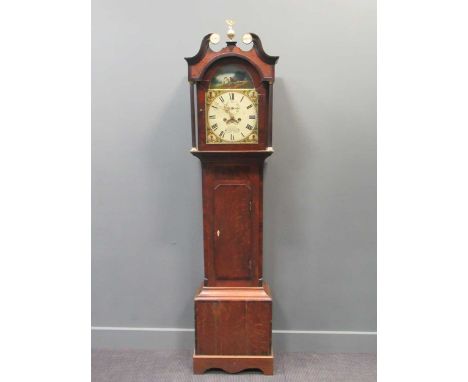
(231, 108)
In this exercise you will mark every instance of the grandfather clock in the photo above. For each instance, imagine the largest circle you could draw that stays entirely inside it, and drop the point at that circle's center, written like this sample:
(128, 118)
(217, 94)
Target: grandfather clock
(231, 97)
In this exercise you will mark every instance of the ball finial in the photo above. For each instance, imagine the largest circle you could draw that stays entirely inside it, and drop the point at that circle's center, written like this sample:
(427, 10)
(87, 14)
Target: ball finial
(214, 38)
(247, 38)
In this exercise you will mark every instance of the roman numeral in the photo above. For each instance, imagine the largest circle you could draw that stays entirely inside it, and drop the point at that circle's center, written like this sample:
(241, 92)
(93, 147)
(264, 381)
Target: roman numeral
(212, 116)
(221, 134)
(241, 99)
(248, 107)
(213, 106)
(250, 117)
(214, 127)
(221, 98)
(242, 134)
(249, 127)
(231, 96)
(232, 137)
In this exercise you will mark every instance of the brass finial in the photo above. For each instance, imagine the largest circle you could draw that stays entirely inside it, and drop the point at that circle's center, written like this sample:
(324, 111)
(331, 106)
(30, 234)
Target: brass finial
(230, 32)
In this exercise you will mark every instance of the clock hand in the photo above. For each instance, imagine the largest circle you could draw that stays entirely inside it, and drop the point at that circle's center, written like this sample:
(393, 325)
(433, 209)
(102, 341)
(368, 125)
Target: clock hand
(227, 109)
(232, 118)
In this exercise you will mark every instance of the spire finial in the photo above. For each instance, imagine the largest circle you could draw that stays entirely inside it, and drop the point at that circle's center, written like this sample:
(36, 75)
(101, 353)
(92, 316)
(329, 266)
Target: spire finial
(230, 33)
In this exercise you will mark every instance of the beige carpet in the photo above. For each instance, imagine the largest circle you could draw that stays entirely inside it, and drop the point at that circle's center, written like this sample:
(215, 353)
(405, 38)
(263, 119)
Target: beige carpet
(148, 365)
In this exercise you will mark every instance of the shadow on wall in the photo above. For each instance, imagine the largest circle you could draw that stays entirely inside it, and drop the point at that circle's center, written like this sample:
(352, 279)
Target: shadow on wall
(284, 200)
(175, 183)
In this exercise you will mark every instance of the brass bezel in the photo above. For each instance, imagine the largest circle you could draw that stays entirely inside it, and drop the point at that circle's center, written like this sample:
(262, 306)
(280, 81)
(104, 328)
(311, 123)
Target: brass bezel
(211, 137)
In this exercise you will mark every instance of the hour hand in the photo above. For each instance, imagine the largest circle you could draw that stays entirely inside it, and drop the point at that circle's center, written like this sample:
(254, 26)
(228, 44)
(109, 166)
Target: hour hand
(228, 110)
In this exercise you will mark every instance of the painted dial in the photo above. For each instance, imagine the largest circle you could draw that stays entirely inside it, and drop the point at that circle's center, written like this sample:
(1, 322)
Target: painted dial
(232, 116)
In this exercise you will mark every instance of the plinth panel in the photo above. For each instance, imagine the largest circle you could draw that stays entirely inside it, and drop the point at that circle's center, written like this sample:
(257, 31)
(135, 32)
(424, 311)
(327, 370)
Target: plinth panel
(233, 321)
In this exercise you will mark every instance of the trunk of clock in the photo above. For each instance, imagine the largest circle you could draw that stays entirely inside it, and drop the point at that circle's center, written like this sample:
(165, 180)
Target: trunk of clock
(233, 307)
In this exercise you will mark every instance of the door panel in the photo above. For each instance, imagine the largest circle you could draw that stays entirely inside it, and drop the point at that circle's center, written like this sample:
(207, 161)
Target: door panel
(232, 234)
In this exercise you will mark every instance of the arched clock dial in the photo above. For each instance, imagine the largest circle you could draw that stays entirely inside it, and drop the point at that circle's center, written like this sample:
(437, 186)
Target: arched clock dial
(232, 116)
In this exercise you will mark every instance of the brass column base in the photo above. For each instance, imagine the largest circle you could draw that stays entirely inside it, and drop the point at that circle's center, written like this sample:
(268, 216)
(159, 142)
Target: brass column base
(233, 363)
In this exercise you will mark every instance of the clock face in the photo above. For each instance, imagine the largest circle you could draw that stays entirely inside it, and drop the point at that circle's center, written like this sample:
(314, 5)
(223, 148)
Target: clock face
(232, 116)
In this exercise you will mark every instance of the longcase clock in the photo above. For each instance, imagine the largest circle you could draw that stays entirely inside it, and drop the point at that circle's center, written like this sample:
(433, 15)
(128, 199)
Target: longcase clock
(231, 93)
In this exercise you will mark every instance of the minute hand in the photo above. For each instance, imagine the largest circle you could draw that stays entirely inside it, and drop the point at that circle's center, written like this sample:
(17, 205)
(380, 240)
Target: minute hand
(227, 109)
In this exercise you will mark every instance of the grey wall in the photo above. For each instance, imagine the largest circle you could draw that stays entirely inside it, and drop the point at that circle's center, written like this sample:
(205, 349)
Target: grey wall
(320, 184)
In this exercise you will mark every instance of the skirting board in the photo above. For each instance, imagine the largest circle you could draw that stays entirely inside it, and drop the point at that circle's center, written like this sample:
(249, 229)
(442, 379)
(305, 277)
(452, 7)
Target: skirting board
(283, 340)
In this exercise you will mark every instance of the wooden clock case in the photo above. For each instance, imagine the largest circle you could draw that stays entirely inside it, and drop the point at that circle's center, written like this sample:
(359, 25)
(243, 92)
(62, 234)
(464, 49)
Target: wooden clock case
(233, 306)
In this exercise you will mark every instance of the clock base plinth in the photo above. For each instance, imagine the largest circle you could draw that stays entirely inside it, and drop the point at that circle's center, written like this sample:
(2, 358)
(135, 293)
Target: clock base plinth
(233, 363)
(233, 329)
